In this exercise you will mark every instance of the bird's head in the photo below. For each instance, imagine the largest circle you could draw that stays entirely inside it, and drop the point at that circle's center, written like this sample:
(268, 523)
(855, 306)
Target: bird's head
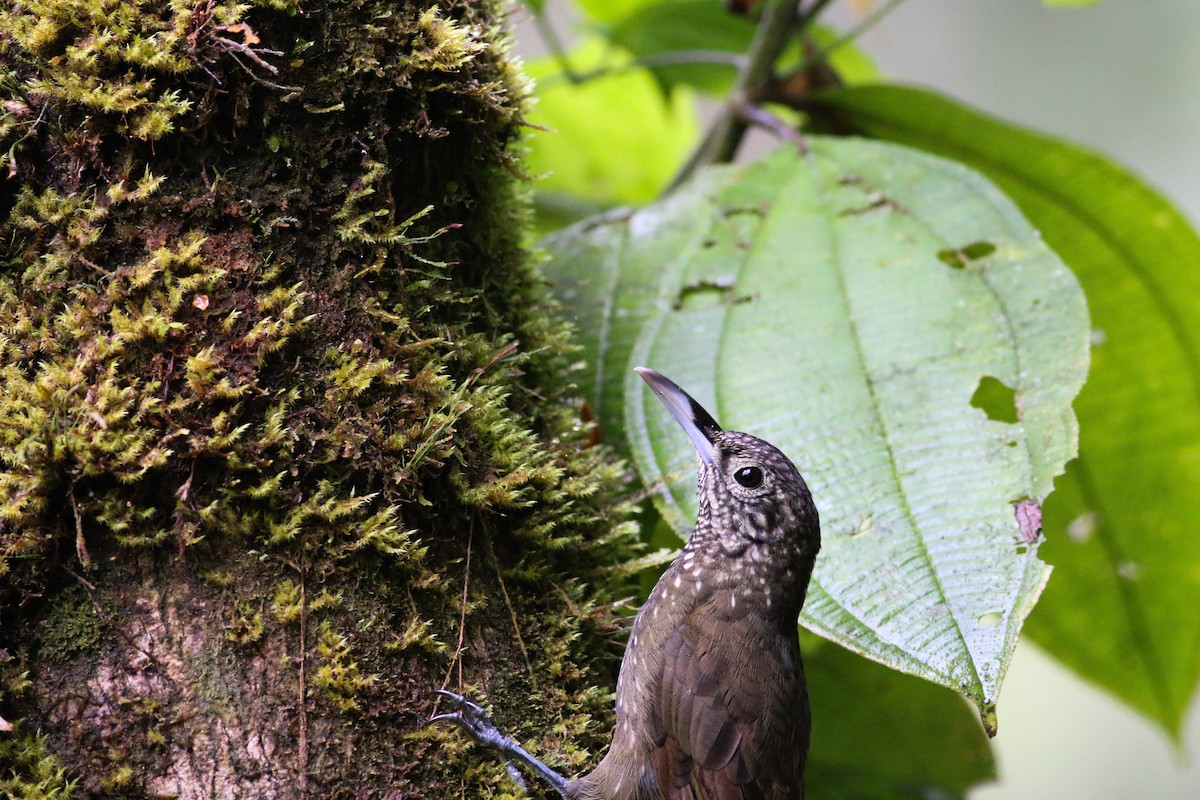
(750, 492)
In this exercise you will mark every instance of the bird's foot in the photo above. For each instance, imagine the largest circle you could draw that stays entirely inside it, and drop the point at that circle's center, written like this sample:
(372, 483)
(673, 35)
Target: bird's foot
(479, 726)
(473, 719)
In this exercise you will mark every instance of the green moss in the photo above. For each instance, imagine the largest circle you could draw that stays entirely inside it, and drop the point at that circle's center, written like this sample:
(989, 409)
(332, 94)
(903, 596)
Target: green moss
(73, 625)
(420, 635)
(267, 316)
(287, 605)
(247, 626)
(338, 675)
(31, 771)
(119, 778)
(127, 69)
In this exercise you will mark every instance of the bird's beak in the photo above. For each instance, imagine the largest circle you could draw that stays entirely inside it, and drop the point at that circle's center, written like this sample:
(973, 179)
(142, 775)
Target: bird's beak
(691, 416)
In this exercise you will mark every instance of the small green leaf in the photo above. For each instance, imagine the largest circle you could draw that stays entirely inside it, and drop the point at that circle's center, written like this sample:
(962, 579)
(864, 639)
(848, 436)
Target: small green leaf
(807, 300)
(1121, 609)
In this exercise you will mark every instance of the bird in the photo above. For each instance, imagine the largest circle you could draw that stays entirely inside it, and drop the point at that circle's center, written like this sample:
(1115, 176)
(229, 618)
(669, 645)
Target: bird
(711, 700)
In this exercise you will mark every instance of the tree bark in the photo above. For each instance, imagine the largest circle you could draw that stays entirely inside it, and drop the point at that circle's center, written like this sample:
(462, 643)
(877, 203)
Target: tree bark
(286, 441)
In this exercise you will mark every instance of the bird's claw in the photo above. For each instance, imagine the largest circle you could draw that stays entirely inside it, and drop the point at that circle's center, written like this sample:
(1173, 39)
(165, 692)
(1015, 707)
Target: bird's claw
(475, 721)
(470, 717)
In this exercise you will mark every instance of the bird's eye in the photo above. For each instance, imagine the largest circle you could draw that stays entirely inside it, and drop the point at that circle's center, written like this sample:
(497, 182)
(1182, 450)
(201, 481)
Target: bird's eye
(749, 477)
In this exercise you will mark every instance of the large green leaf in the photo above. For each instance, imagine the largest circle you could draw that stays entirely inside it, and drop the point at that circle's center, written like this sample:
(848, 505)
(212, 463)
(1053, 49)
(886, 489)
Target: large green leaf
(849, 306)
(1122, 609)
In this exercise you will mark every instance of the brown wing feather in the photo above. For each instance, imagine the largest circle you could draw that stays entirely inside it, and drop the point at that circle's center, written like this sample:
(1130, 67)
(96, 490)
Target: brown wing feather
(734, 718)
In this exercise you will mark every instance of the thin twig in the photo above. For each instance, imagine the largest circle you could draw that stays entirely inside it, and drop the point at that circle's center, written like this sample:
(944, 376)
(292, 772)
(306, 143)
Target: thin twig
(259, 79)
(812, 12)
(462, 619)
(251, 53)
(303, 738)
(79, 578)
(81, 550)
(500, 355)
(779, 21)
(757, 115)
(512, 615)
(868, 22)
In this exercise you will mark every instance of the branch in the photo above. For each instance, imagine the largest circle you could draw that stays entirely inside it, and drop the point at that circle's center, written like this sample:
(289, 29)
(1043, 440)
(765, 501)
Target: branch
(780, 20)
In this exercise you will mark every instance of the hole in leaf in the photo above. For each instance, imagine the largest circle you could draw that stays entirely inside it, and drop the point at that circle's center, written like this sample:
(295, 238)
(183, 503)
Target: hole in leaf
(957, 258)
(709, 292)
(732, 211)
(703, 293)
(864, 527)
(995, 399)
(875, 200)
(990, 619)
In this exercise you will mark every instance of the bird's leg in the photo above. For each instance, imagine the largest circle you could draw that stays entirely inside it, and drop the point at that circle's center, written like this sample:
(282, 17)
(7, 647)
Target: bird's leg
(476, 722)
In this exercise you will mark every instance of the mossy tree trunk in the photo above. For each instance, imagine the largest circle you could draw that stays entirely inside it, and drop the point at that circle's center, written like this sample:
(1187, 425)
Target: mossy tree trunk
(285, 436)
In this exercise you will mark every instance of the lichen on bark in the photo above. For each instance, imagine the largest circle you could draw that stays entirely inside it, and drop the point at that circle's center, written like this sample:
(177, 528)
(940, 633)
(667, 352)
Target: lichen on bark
(286, 440)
